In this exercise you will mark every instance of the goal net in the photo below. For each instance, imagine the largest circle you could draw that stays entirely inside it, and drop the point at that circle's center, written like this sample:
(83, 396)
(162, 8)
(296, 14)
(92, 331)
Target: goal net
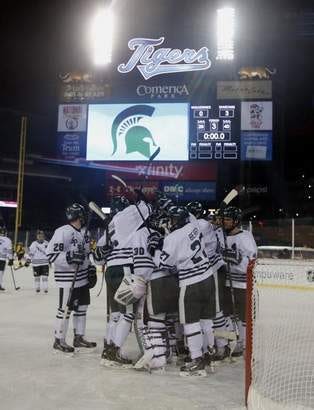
(280, 333)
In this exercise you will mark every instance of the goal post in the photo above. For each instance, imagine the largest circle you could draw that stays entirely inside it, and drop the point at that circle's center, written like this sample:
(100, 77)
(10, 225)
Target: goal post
(280, 335)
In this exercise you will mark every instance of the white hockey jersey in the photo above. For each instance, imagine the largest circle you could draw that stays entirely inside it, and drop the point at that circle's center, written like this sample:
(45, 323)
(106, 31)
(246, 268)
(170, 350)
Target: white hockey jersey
(5, 248)
(244, 248)
(67, 238)
(121, 230)
(211, 244)
(185, 249)
(37, 253)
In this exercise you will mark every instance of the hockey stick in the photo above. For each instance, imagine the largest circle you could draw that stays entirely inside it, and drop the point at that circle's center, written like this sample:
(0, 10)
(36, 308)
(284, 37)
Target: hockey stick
(238, 190)
(13, 278)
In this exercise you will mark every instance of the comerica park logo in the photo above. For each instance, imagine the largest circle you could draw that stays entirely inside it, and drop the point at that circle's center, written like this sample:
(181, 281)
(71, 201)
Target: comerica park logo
(151, 61)
(126, 128)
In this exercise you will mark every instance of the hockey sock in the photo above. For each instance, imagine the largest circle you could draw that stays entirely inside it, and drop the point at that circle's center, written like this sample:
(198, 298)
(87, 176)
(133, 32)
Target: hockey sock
(61, 326)
(194, 338)
(112, 326)
(208, 334)
(242, 332)
(220, 326)
(123, 329)
(79, 320)
(171, 331)
(44, 280)
(1, 277)
(37, 282)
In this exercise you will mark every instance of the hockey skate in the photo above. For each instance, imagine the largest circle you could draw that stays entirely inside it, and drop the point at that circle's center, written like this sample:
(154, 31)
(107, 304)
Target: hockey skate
(222, 353)
(111, 357)
(62, 346)
(196, 367)
(209, 359)
(79, 341)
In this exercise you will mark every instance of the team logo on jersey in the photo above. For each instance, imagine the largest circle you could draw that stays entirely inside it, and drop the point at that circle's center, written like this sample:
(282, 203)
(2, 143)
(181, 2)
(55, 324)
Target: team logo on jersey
(151, 62)
(127, 129)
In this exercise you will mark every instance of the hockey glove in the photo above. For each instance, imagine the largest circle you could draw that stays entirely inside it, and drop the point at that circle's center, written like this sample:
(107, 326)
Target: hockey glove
(232, 256)
(27, 263)
(10, 263)
(154, 241)
(102, 252)
(92, 276)
(130, 290)
(75, 257)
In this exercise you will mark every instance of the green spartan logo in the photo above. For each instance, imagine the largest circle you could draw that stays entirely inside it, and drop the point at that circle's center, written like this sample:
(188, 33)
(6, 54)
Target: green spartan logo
(126, 126)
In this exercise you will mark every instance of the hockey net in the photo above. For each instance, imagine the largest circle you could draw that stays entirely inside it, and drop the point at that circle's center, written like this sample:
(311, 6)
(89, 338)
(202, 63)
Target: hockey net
(280, 335)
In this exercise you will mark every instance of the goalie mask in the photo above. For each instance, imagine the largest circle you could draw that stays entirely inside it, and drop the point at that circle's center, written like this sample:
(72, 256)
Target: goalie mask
(118, 203)
(75, 212)
(196, 209)
(179, 217)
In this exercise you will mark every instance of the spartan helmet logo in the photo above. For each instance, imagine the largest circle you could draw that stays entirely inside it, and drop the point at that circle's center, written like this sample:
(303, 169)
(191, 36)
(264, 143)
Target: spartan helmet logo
(126, 127)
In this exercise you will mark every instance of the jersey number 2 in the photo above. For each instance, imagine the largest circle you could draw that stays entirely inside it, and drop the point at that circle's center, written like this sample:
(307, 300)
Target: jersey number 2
(196, 246)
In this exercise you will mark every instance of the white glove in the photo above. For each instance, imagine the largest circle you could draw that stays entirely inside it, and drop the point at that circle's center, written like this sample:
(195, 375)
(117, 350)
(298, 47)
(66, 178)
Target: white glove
(131, 289)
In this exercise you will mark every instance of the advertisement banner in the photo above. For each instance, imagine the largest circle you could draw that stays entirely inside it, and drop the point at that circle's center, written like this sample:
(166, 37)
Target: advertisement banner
(197, 171)
(190, 191)
(248, 89)
(113, 188)
(72, 117)
(71, 145)
(256, 146)
(256, 115)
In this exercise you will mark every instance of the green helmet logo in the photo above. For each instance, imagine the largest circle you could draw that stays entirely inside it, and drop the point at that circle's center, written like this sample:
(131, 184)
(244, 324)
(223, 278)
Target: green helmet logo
(126, 129)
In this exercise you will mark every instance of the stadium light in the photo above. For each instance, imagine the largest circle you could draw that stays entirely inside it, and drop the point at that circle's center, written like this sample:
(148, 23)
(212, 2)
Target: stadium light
(225, 33)
(102, 36)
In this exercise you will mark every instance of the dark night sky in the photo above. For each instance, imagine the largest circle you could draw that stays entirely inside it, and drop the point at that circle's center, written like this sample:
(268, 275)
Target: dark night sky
(40, 39)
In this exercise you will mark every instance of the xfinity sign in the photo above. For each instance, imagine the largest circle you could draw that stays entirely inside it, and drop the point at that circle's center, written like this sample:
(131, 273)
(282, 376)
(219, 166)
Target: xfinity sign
(162, 91)
(152, 61)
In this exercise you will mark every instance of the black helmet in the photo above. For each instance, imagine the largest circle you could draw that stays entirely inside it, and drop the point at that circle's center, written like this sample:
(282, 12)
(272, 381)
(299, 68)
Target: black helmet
(179, 216)
(118, 203)
(3, 230)
(232, 212)
(74, 212)
(196, 209)
(154, 221)
(163, 203)
(40, 235)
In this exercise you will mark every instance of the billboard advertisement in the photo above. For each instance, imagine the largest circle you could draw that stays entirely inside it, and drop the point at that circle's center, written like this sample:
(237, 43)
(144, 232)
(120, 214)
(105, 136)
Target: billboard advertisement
(189, 191)
(256, 116)
(72, 117)
(256, 146)
(132, 132)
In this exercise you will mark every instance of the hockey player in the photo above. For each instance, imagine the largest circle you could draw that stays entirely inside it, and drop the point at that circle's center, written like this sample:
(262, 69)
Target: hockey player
(38, 258)
(239, 249)
(5, 253)
(20, 253)
(116, 249)
(219, 268)
(69, 250)
(183, 250)
(161, 289)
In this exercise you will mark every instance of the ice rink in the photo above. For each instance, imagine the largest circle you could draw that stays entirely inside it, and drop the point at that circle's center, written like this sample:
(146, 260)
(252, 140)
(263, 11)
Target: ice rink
(33, 377)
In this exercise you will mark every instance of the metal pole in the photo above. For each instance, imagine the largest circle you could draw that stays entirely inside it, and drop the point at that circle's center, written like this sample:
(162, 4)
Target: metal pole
(292, 237)
(20, 181)
(250, 226)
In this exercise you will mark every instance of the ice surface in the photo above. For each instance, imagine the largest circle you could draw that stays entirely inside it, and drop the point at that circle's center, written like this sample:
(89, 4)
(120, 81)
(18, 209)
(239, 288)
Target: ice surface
(33, 377)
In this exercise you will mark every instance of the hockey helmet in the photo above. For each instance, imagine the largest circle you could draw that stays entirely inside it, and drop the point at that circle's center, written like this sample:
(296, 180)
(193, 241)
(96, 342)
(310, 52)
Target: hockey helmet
(118, 203)
(40, 235)
(163, 203)
(233, 213)
(196, 209)
(179, 216)
(3, 231)
(74, 212)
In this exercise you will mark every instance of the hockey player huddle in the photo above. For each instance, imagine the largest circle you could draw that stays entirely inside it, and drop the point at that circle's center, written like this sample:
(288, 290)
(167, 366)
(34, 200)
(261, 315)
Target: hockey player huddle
(177, 275)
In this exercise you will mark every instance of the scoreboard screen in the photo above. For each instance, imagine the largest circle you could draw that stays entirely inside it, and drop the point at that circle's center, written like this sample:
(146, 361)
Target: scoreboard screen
(214, 132)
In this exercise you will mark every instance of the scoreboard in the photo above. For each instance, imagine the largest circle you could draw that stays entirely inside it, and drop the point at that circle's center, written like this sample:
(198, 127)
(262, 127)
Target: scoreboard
(214, 132)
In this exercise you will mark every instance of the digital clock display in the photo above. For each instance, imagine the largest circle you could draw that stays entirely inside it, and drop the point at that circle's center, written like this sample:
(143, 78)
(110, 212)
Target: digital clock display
(214, 132)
